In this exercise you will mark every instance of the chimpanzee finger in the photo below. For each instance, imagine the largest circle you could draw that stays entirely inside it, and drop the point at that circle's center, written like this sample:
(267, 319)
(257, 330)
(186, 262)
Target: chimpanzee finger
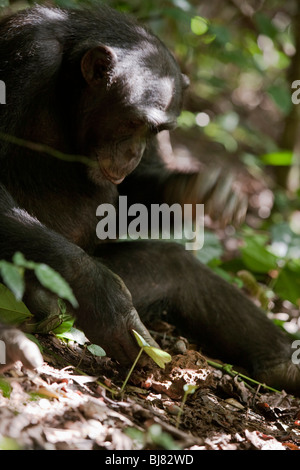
(206, 183)
(228, 214)
(130, 350)
(219, 198)
(127, 348)
(122, 345)
(241, 210)
(136, 324)
(124, 349)
(120, 350)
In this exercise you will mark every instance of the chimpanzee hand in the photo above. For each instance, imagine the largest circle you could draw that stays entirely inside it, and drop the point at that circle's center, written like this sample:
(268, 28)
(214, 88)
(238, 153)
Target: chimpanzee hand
(118, 340)
(105, 313)
(213, 188)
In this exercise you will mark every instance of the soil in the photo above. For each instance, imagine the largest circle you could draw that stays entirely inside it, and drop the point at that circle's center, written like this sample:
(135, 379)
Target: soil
(74, 402)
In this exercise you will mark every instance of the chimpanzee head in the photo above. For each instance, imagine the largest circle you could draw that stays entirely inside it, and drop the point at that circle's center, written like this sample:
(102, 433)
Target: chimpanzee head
(90, 81)
(132, 90)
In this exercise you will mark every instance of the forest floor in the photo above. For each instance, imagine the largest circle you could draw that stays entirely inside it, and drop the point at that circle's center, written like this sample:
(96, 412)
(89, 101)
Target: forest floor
(65, 407)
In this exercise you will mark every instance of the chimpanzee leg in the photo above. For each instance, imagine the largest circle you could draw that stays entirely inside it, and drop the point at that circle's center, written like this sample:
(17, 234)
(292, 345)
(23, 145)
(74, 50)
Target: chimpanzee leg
(163, 277)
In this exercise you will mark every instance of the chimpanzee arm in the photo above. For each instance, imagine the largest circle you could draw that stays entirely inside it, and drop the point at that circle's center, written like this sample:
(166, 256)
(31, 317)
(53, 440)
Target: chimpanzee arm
(105, 308)
(153, 183)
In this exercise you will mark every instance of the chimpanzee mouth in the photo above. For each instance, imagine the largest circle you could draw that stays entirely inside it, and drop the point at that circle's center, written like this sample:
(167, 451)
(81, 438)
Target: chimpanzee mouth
(112, 178)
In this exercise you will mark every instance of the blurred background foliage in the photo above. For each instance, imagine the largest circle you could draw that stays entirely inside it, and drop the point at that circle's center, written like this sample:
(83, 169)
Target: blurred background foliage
(242, 57)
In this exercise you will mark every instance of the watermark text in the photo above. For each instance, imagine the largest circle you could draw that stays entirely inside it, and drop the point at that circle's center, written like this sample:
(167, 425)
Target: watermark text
(2, 352)
(296, 354)
(178, 222)
(2, 92)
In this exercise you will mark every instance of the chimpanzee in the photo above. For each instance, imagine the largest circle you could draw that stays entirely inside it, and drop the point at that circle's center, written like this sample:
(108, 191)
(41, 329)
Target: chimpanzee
(94, 83)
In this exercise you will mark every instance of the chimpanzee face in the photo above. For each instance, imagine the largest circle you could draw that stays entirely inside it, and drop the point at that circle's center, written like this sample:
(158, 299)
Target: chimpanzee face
(126, 102)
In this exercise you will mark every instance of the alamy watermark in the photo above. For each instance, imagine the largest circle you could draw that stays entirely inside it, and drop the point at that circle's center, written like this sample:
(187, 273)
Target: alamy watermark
(2, 92)
(296, 354)
(296, 93)
(2, 352)
(160, 221)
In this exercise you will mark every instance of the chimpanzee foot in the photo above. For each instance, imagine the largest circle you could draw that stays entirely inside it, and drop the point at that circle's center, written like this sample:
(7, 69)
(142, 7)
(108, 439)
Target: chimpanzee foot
(15, 346)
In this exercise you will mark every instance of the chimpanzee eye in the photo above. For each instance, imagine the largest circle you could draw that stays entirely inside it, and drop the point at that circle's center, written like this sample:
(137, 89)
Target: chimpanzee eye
(158, 129)
(168, 126)
(135, 124)
(129, 126)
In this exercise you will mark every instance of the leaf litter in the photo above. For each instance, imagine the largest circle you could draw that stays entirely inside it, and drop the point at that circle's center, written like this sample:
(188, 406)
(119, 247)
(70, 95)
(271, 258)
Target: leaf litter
(67, 404)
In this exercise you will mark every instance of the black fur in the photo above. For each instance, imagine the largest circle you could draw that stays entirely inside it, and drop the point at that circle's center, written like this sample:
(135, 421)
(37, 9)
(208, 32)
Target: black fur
(94, 83)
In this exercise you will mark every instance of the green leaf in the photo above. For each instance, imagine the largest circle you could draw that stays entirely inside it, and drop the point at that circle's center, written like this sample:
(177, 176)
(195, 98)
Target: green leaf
(96, 350)
(161, 438)
(19, 260)
(189, 389)
(227, 276)
(287, 285)
(12, 311)
(72, 334)
(13, 278)
(282, 97)
(62, 306)
(265, 25)
(159, 356)
(199, 25)
(140, 340)
(256, 257)
(222, 33)
(48, 277)
(281, 158)
(55, 282)
(7, 443)
(5, 387)
(65, 327)
(135, 434)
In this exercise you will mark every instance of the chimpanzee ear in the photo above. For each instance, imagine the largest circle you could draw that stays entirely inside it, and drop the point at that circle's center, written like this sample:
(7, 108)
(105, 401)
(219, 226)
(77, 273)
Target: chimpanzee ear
(185, 81)
(97, 64)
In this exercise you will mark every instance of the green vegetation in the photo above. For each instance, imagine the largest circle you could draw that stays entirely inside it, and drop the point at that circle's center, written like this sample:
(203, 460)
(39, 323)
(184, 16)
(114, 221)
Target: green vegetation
(159, 357)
